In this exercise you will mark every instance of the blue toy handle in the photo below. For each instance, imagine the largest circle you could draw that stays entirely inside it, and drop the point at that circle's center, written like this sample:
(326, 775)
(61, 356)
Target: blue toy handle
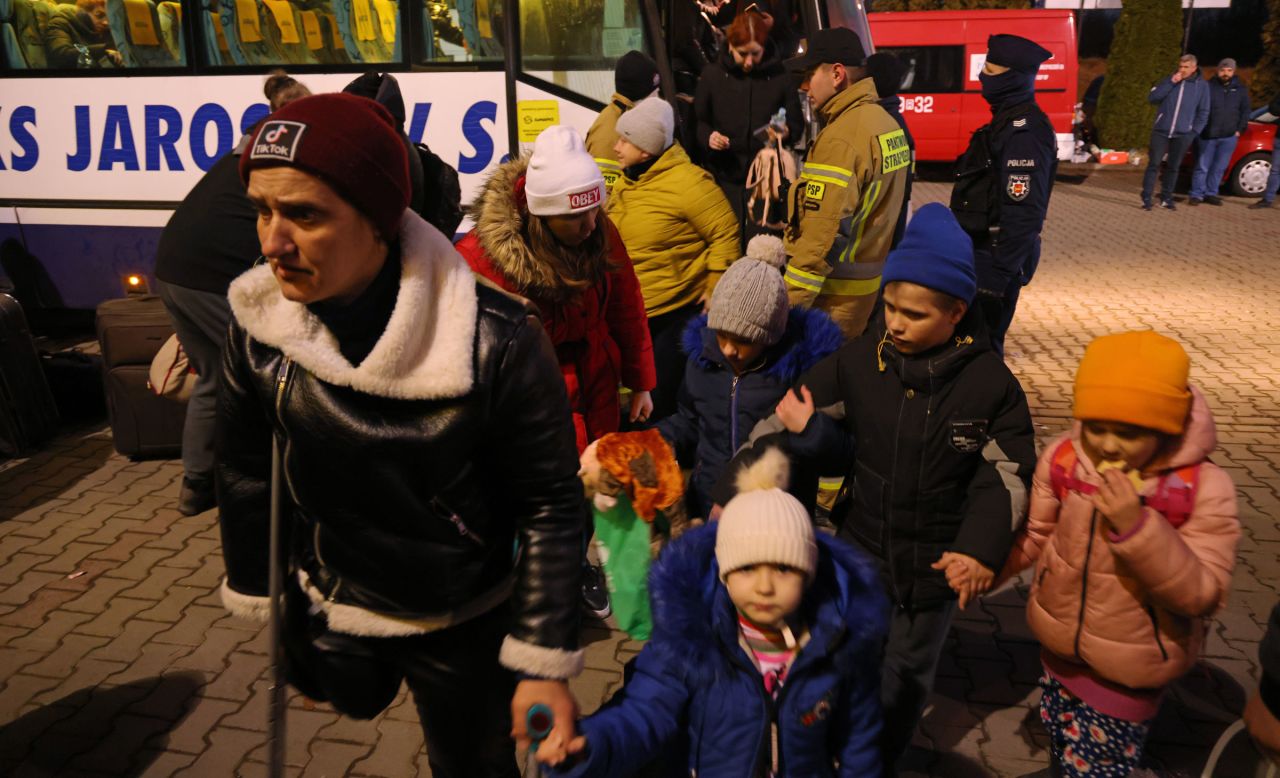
(538, 722)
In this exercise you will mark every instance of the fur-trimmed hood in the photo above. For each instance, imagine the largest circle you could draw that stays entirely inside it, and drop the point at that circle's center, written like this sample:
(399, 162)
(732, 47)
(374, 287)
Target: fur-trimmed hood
(844, 609)
(427, 349)
(504, 227)
(810, 336)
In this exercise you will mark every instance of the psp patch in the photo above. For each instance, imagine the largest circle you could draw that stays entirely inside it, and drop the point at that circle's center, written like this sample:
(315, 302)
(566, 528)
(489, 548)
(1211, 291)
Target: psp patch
(814, 190)
(278, 139)
(1019, 187)
(968, 437)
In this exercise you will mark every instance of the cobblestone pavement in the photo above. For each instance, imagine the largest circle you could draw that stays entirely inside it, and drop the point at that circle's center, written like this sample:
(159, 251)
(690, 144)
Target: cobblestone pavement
(116, 658)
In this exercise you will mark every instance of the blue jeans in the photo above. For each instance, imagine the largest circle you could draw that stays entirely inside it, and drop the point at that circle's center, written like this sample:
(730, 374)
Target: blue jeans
(1176, 147)
(1211, 165)
(1273, 180)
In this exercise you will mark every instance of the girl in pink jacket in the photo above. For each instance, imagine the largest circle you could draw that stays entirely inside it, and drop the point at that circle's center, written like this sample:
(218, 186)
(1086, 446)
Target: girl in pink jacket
(1133, 533)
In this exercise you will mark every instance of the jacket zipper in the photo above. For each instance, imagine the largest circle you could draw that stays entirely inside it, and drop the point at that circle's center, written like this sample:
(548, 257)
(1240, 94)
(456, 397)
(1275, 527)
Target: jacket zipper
(456, 521)
(887, 533)
(1084, 581)
(1177, 106)
(733, 415)
(1155, 626)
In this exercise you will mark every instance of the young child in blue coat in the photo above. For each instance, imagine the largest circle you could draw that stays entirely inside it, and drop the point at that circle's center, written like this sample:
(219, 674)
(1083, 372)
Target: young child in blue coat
(765, 652)
(744, 354)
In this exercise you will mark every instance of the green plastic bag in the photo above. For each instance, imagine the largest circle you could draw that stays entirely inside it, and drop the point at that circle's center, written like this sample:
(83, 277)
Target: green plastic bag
(623, 539)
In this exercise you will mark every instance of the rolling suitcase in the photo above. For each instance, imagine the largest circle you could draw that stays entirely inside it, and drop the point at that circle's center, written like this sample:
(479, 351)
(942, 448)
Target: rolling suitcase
(28, 415)
(131, 331)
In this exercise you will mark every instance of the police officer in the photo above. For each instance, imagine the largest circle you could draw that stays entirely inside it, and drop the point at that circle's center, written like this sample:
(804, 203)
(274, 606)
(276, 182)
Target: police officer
(1004, 179)
(845, 206)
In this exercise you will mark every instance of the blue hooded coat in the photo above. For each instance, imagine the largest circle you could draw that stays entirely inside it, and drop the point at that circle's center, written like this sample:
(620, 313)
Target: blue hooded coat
(717, 409)
(695, 676)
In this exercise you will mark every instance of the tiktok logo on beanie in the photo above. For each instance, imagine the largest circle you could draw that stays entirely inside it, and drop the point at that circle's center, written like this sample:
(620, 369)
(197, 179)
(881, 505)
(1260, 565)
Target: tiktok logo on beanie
(278, 139)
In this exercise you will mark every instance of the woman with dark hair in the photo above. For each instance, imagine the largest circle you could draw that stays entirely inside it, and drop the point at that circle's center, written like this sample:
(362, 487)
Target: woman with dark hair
(739, 93)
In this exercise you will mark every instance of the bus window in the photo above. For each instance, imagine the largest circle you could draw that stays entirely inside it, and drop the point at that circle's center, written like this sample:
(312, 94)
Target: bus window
(575, 43)
(95, 35)
(931, 69)
(461, 31)
(288, 33)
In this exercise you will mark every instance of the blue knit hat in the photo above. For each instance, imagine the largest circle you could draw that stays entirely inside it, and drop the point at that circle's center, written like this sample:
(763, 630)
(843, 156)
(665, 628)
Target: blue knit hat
(934, 252)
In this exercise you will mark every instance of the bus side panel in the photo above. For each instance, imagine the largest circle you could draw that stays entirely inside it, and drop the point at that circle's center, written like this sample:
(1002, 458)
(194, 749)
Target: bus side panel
(88, 263)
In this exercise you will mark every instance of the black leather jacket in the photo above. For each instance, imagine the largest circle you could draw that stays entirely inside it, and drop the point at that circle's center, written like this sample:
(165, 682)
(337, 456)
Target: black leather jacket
(411, 499)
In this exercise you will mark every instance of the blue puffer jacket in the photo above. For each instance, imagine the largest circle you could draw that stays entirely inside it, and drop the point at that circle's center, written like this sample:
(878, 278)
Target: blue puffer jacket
(717, 409)
(1184, 106)
(695, 676)
(1228, 108)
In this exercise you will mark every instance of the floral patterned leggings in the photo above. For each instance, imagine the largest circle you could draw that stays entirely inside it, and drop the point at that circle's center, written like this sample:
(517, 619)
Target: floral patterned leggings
(1086, 742)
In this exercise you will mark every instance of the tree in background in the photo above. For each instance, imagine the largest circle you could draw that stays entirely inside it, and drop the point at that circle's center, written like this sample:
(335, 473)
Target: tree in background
(1145, 49)
(1265, 84)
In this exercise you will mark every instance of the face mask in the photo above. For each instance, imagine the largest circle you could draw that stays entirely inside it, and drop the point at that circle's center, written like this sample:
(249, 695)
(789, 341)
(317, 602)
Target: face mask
(1008, 87)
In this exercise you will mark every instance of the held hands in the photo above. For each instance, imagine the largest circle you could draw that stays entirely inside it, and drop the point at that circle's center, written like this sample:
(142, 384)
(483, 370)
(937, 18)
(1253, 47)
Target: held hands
(554, 750)
(966, 576)
(555, 695)
(794, 412)
(718, 142)
(641, 406)
(1118, 501)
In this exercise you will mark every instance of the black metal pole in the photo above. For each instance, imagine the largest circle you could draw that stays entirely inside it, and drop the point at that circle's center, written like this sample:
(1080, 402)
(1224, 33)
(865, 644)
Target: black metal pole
(275, 628)
(661, 54)
(511, 23)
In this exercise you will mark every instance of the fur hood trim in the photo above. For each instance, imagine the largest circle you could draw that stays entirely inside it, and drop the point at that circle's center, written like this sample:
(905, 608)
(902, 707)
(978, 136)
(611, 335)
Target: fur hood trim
(426, 351)
(810, 336)
(694, 621)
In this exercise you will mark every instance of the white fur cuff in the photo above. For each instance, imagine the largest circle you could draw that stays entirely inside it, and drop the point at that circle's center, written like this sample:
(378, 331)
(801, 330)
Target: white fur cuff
(246, 606)
(539, 661)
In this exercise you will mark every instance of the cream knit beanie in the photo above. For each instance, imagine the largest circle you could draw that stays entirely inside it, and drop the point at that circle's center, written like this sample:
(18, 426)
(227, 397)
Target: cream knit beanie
(562, 178)
(763, 524)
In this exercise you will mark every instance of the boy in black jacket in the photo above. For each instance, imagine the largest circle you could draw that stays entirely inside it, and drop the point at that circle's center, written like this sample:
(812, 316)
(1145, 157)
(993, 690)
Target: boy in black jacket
(933, 436)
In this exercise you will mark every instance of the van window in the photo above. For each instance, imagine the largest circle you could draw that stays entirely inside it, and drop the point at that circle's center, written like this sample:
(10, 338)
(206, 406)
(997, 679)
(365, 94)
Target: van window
(930, 69)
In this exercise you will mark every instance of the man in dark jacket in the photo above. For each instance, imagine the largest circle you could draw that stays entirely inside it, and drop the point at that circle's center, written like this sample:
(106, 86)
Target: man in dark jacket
(886, 71)
(1183, 100)
(1228, 117)
(933, 436)
(433, 511)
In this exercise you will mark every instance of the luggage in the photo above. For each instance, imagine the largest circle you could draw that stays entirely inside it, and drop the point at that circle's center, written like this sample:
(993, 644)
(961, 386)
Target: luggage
(131, 331)
(75, 378)
(28, 415)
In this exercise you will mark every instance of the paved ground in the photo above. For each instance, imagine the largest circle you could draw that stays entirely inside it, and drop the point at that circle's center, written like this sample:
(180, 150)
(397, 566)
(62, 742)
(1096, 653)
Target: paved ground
(117, 660)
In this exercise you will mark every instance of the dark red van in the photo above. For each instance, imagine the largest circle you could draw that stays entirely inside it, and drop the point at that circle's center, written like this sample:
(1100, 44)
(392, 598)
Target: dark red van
(943, 52)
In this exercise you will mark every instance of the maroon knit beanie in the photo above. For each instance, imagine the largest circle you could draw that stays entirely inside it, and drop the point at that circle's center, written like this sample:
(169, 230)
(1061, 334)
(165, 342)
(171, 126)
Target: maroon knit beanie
(350, 142)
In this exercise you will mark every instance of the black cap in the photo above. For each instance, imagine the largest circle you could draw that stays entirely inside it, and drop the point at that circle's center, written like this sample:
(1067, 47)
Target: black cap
(1016, 53)
(635, 75)
(886, 71)
(827, 47)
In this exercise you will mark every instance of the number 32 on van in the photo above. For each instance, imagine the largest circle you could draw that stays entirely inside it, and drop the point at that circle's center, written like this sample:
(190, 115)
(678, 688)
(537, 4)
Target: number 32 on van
(917, 104)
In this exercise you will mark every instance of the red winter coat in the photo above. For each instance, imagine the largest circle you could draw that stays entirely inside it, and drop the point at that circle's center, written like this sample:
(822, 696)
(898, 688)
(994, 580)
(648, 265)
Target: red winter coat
(601, 334)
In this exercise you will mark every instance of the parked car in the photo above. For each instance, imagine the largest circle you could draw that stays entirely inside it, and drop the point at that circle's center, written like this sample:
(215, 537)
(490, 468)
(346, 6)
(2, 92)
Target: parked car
(1251, 163)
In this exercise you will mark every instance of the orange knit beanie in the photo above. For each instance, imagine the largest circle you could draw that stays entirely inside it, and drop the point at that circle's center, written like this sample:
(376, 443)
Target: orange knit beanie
(1137, 378)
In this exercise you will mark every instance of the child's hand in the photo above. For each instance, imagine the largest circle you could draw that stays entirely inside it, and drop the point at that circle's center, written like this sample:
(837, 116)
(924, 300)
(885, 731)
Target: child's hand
(1118, 501)
(795, 412)
(966, 575)
(554, 750)
(641, 406)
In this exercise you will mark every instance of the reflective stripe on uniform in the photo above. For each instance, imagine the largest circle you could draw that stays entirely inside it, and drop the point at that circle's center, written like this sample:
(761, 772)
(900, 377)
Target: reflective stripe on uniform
(608, 163)
(860, 221)
(828, 174)
(830, 484)
(848, 287)
(804, 279)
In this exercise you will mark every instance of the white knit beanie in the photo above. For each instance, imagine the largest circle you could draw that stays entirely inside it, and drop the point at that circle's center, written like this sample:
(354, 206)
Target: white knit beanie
(649, 126)
(765, 525)
(562, 178)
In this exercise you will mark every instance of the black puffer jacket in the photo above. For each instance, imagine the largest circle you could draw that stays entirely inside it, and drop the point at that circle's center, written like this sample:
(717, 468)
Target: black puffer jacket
(736, 104)
(415, 475)
(936, 448)
(1228, 108)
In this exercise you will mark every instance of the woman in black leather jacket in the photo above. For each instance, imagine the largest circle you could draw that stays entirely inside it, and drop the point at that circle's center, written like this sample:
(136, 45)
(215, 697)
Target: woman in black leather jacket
(429, 458)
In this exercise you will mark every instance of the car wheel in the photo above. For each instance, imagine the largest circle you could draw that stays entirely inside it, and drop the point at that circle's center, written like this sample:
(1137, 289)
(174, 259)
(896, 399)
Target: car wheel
(1249, 177)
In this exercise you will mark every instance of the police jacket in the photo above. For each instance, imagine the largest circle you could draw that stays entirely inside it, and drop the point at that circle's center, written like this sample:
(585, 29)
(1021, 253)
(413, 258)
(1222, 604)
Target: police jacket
(1001, 195)
(1228, 108)
(844, 208)
(427, 484)
(1184, 106)
(937, 451)
(695, 675)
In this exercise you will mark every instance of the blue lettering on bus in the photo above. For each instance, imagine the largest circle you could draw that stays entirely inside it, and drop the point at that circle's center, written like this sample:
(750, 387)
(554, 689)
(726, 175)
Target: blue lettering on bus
(117, 140)
(475, 134)
(418, 122)
(84, 149)
(252, 115)
(158, 142)
(21, 116)
(209, 113)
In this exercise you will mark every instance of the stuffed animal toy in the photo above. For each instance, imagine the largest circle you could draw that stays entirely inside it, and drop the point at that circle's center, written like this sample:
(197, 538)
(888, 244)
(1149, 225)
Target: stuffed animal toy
(643, 466)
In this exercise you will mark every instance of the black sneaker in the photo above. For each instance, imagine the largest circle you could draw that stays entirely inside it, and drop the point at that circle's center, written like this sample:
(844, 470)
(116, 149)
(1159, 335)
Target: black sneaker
(197, 496)
(1194, 201)
(1146, 206)
(595, 592)
(1260, 204)
(1168, 205)
(1213, 200)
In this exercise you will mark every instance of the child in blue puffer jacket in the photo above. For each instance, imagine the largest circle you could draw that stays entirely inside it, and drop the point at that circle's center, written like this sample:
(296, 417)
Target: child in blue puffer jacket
(765, 652)
(744, 354)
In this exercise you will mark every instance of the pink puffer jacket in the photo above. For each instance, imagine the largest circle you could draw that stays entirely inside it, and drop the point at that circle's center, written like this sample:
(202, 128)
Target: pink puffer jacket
(1133, 609)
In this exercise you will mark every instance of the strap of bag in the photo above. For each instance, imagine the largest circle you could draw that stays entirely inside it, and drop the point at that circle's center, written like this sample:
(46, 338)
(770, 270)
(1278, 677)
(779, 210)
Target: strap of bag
(1174, 498)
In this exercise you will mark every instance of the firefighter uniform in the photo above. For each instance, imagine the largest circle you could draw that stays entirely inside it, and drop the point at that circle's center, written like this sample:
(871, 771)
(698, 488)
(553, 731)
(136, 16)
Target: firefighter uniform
(844, 207)
(1003, 182)
(603, 134)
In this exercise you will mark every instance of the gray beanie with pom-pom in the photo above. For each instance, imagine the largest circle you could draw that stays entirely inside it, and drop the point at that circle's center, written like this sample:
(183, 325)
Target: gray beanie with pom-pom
(750, 301)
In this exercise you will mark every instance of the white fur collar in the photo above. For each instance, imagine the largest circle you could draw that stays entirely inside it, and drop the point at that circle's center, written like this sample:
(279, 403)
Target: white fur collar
(426, 351)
